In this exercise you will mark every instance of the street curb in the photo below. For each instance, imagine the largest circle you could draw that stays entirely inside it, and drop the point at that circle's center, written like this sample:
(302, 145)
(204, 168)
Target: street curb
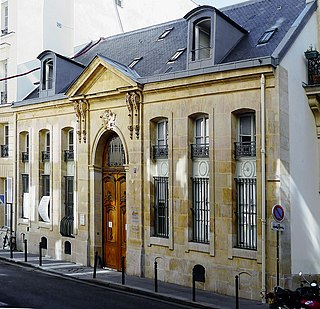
(114, 286)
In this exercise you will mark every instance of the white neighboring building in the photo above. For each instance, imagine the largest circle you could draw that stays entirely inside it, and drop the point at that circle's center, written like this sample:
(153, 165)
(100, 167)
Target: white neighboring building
(29, 27)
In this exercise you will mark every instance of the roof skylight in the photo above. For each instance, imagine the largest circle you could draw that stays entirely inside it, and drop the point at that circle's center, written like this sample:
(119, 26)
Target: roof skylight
(176, 55)
(265, 38)
(134, 62)
(165, 33)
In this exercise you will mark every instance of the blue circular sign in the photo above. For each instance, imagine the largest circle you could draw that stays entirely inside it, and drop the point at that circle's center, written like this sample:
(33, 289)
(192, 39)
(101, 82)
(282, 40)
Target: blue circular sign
(278, 213)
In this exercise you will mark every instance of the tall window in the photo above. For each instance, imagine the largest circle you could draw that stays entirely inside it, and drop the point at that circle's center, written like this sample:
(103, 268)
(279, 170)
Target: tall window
(25, 153)
(200, 181)
(67, 221)
(4, 18)
(161, 210)
(201, 40)
(246, 209)
(46, 151)
(246, 213)
(44, 204)
(4, 83)
(25, 195)
(246, 139)
(69, 152)
(8, 201)
(5, 145)
(161, 189)
(47, 74)
(160, 149)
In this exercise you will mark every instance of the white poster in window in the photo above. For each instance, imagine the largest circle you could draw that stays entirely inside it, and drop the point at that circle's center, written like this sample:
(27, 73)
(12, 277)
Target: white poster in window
(44, 208)
(26, 205)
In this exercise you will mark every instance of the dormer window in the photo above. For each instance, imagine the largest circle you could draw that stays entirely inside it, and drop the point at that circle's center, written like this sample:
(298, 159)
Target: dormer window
(211, 36)
(47, 74)
(201, 39)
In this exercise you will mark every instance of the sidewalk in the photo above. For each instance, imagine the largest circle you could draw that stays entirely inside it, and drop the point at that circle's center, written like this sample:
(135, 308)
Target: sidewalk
(137, 285)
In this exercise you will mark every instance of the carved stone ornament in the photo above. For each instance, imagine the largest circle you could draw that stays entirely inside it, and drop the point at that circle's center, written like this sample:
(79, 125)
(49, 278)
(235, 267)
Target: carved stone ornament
(133, 102)
(108, 119)
(81, 107)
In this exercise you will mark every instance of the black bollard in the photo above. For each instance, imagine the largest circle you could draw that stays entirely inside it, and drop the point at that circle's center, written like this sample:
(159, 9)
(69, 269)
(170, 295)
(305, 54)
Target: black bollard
(193, 287)
(25, 251)
(155, 276)
(95, 265)
(237, 291)
(11, 247)
(40, 253)
(123, 270)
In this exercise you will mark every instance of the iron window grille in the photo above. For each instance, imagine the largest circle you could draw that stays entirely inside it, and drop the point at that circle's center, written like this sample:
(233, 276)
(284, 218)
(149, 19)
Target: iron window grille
(4, 151)
(161, 209)
(200, 210)
(244, 149)
(68, 155)
(160, 152)
(199, 151)
(116, 155)
(25, 156)
(66, 224)
(45, 185)
(45, 156)
(246, 213)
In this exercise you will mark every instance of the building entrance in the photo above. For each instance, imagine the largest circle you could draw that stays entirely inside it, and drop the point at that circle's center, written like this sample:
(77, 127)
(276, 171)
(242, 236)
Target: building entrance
(114, 204)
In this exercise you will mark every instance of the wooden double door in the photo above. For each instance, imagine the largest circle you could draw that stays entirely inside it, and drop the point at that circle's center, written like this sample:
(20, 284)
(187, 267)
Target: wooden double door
(114, 219)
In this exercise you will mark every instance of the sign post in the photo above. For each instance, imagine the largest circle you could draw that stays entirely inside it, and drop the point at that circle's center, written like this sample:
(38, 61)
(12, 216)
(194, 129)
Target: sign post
(278, 215)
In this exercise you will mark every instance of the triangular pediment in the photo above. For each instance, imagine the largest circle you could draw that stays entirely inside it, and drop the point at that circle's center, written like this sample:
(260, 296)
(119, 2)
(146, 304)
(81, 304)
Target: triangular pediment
(103, 76)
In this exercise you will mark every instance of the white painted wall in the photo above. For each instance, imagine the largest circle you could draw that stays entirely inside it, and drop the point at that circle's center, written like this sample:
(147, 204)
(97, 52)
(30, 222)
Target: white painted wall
(304, 159)
(111, 19)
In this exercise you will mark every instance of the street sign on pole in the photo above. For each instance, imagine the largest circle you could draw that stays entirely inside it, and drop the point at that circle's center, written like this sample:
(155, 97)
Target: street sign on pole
(278, 213)
(276, 226)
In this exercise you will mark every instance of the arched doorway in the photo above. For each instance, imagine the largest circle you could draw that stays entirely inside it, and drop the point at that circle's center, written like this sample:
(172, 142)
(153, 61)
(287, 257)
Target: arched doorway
(114, 203)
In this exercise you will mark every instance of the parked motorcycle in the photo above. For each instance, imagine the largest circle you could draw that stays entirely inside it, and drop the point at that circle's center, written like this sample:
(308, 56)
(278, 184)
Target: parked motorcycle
(304, 297)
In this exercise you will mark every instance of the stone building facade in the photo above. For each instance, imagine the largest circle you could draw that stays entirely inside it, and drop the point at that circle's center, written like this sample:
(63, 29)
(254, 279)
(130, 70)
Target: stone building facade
(175, 146)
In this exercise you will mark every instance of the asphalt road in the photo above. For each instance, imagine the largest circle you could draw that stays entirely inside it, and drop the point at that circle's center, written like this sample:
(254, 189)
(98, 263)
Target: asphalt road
(22, 287)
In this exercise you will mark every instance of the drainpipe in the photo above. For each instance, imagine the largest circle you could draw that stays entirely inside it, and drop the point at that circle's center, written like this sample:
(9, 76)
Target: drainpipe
(263, 188)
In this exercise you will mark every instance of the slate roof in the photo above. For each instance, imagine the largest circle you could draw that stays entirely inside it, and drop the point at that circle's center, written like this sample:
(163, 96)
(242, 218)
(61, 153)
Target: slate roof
(255, 16)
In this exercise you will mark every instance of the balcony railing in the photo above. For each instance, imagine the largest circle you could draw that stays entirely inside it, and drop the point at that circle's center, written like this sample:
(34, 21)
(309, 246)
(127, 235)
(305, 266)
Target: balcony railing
(25, 156)
(313, 58)
(244, 149)
(199, 151)
(45, 156)
(160, 151)
(68, 155)
(4, 151)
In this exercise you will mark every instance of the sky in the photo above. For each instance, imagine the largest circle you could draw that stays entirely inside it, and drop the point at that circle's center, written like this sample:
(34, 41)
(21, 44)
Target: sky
(218, 3)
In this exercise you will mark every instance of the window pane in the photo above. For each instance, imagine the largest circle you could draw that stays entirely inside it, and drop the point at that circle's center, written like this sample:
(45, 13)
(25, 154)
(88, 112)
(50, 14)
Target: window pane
(245, 125)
